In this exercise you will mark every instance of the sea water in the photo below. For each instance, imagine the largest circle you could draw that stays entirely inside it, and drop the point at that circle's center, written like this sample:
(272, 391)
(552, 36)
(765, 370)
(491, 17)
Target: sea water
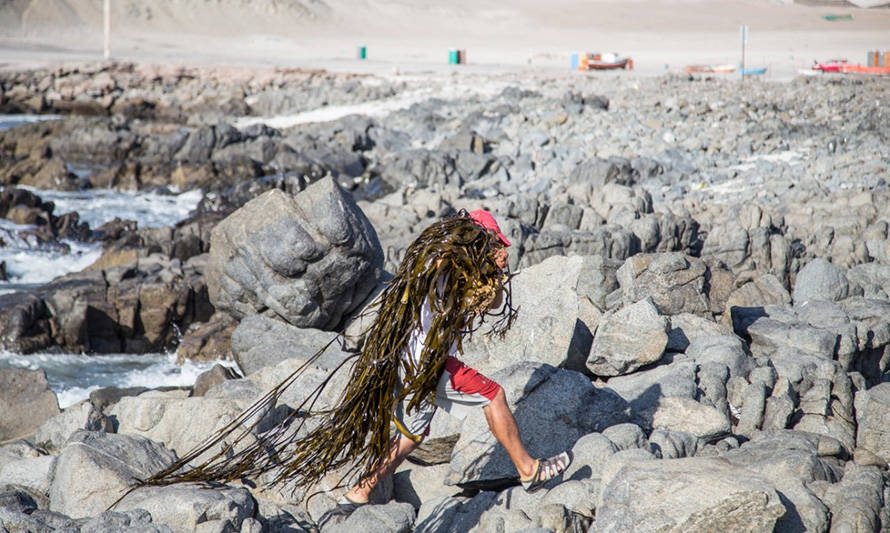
(30, 264)
(72, 377)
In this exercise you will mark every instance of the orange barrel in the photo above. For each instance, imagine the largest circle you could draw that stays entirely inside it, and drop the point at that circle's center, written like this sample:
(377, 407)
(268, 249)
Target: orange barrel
(630, 64)
(887, 58)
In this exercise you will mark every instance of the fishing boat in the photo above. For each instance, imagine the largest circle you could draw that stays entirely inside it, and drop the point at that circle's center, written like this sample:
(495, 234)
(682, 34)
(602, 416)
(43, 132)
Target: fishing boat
(610, 61)
(753, 71)
(715, 69)
(832, 65)
(862, 69)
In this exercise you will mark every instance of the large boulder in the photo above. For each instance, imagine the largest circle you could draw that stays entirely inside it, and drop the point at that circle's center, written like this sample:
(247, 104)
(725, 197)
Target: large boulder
(26, 401)
(94, 469)
(628, 339)
(553, 409)
(693, 494)
(555, 320)
(308, 259)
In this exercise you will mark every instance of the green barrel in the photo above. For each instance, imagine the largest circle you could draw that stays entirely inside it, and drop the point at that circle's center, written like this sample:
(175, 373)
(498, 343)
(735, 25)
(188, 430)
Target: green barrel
(362, 52)
(453, 57)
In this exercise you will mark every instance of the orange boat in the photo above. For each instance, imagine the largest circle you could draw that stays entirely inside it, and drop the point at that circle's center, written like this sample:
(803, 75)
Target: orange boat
(604, 62)
(720, 69)
(862, 69)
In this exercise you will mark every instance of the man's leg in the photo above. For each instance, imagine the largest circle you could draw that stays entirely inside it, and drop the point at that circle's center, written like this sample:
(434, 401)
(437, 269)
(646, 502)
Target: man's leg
(400, 449)
(503, 427)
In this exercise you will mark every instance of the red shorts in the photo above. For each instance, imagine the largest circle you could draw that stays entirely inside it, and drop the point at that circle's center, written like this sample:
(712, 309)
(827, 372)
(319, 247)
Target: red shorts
(460, 389)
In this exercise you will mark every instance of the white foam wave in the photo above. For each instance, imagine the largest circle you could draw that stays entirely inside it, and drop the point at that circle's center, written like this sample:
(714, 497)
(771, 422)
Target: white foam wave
(72, 377)
(98, 206)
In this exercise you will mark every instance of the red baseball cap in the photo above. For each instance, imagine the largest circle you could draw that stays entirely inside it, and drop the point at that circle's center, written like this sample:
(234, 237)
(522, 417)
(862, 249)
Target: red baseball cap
(484, 219)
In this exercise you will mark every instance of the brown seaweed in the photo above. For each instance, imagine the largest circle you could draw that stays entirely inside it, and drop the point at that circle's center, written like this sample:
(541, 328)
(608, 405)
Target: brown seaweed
(356, 434)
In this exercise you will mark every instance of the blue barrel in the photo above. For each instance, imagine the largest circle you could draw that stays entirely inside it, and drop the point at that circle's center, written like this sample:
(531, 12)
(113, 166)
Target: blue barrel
(575, 61)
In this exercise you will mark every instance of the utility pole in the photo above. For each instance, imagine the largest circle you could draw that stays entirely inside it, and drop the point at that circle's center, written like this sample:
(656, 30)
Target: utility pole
(107, 16)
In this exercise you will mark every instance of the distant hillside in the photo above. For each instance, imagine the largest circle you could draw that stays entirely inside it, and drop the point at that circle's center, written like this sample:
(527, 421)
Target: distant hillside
(69, 18)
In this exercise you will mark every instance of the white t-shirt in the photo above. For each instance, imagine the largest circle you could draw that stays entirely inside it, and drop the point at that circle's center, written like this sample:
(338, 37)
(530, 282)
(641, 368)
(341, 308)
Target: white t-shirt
(416, 341)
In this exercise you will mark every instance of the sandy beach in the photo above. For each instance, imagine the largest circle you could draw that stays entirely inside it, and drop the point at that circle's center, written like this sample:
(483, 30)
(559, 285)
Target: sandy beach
(660, 36)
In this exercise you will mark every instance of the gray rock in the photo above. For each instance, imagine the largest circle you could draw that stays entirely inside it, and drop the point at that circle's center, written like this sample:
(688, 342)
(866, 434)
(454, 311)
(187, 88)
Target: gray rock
(394, 517)
(309, 259)
(628, 339)
(791, 460)
(94, 469)
(855, 501)
(208, 379)
(821, 280)
(769, 334)
(675, 282)
(34, 473)
(746, 302)
(689, 416)
(702, 494)
(26, 401)
(727, 350)
(591, 452)
(644, 389)
(417, 484)
(18, 450)
(137, 520)
(553, 409)
(751, 419)
(53, 433)
(162, 418)
(686, 328)
(626, 436)
(185, 507)
(873, 420)
(260, 342)
(555, 320)
(673, 444)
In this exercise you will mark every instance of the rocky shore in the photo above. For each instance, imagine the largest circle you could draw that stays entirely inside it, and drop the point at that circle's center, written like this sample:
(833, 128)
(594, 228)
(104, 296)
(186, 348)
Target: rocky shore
(703, 291)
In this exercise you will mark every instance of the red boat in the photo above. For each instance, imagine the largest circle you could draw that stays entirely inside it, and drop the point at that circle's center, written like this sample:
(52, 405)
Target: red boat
(833, 65)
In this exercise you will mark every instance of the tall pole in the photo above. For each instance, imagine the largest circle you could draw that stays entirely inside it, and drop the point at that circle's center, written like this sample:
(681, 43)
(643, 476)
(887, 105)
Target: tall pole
(744, 34)
(107, 15)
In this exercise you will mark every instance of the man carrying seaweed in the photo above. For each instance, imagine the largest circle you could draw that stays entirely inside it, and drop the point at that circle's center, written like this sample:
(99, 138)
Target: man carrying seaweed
(459, 388)
(452, 276)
